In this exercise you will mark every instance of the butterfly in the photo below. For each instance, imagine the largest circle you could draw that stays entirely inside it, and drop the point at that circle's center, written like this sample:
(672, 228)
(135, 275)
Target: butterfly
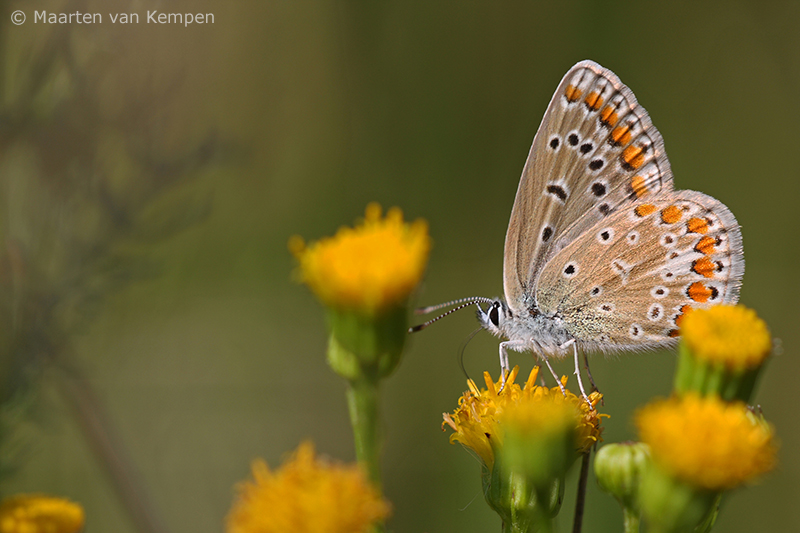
(601, 253)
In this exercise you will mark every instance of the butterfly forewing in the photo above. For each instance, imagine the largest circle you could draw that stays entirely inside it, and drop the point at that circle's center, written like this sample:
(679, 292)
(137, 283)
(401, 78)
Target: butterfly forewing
(627, 281)
(596, 151)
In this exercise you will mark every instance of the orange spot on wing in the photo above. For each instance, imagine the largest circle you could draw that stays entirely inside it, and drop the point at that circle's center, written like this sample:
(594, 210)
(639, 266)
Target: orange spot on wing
(639, 187)
(572, 93)
(608, 117)
(706, 245)
(704, 266)
(697, 225)
(684, 310)
(644, 210)
(674, 333)
(633, 156)
(621, 135)
(699, 292)
(593, 101)
(671, 214)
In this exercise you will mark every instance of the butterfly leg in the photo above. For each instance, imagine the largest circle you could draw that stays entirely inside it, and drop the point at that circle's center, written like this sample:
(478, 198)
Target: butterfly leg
(591, 379)
(504, 368)
(589, 372)
(577, 368)
(544, 358)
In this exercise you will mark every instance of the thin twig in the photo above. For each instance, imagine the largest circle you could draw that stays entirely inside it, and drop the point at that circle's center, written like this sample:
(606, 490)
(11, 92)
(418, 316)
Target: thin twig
(580, 500)
(108, 448)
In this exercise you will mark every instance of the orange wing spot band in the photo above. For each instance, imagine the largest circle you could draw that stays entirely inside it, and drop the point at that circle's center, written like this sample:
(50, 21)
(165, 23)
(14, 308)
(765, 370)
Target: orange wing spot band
(699, 292)
(671, 214)
(706, 245)
(639, 186)
(704, 266)
(572, 93)
(593, 101)
(697, 225)
(644, 210)
(633, 157)
(621, 135)
(608, 117)
(684, 310)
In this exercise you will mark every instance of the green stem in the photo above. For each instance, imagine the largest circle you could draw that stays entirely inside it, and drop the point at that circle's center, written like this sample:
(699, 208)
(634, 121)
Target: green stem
(540, 524)
(544, 525)
(362, 401)
(630, 520)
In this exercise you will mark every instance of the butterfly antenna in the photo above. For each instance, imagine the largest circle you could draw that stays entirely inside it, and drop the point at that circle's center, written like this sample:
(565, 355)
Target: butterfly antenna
(432, 308)
(465, 302)
(463, 349)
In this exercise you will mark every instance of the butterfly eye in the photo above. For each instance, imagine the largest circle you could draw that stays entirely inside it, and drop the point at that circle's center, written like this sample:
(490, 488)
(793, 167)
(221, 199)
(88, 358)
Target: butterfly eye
(494, 314)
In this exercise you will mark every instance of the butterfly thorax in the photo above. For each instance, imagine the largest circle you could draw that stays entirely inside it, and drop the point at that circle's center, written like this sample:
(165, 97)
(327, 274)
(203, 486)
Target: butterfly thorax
(526, 330)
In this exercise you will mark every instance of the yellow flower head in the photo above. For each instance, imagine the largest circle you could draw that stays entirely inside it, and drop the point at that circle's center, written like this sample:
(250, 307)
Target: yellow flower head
(730, 335)
(369, 268)
(705, 442)
(481, 417)
(307, 494)
(38, 513)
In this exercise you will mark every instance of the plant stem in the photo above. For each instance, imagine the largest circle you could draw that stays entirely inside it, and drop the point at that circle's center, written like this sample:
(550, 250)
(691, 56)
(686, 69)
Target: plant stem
(580, 499)
(107, 446)
(362, 401)
(630, 520)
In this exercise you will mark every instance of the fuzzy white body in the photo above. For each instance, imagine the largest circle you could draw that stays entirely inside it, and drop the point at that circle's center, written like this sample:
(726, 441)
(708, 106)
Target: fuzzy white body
(535, 332)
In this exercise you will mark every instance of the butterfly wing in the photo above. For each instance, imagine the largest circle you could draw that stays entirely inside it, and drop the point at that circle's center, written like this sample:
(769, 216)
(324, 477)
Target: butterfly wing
(595, 152)
(628, 280)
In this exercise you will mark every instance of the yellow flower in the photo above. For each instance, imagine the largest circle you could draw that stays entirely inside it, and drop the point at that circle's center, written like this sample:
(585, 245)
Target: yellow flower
(307, 494)
(370, 268)
(705, 442)
(730, 335)
(482, 416)
(38, 513)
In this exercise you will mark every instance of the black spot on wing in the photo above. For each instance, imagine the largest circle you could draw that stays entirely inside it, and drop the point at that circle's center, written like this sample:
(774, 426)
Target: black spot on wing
(598, 189)
(558, 191)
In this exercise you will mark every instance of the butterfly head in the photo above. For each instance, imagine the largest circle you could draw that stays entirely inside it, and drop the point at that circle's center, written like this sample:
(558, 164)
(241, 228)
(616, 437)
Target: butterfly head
(495, 317)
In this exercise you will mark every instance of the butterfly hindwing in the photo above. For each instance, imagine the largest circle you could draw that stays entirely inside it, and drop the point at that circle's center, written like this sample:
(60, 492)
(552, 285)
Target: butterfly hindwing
(596, 151)
(627, 281)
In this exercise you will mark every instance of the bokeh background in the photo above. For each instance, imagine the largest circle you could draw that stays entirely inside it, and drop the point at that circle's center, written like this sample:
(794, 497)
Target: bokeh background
(152, 175)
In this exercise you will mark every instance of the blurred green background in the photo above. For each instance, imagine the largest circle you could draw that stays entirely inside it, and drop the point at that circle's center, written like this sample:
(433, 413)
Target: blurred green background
(152, 175)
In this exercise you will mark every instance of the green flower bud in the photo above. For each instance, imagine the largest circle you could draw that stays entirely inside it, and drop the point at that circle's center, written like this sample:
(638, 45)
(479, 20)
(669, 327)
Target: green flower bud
(522, 504)
(619, 467)
(366, 347)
